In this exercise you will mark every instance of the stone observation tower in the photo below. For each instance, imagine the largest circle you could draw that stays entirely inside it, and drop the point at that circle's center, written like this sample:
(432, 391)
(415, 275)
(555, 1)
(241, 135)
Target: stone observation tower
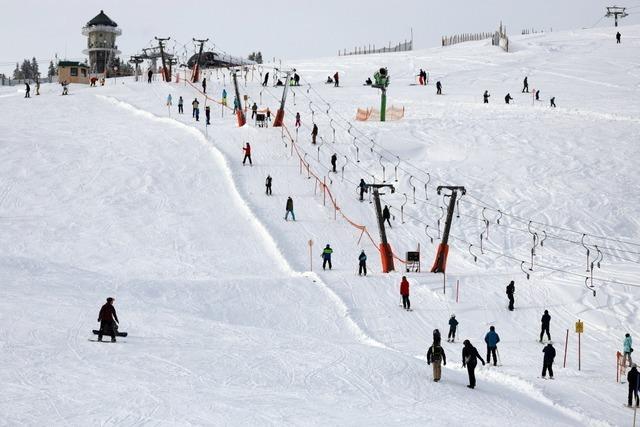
(101, 34)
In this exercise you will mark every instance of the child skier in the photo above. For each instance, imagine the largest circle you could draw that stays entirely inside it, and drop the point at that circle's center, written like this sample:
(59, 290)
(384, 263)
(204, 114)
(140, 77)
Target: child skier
(453, 325)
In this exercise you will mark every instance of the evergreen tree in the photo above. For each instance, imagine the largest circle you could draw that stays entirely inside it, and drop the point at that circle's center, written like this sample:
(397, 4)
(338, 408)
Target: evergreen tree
(17, 74)
(34, 68)
(259, 57)
(52, 70)
(25, 69)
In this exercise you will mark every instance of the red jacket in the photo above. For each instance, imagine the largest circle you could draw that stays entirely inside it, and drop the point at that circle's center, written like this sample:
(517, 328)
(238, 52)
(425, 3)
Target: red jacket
(404, 287)
(247, 150)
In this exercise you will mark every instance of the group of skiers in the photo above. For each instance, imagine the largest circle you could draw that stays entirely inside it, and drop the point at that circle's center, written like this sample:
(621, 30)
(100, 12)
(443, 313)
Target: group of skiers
(525, 89)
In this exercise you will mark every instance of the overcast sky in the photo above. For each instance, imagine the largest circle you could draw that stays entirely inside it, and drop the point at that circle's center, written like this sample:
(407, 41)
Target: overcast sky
(282, 28)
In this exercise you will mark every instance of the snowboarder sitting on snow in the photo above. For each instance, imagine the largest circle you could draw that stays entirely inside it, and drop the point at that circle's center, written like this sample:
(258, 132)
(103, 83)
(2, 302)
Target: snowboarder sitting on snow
(289, 209)
(329, 80)
(247, 154)
(546, 320)
(525, 85)
(436, 356)
(326, 256)
(470, 358)
(362, 263)
(279, 83)
(453, 325)
(547, 362)
(486, 96)
(507, 98)
(363, 189)
(386, 215)
(108, 320)
(626, 350)
(511, 288)
(267, 184)
(368, 82)
(633, 378)
(492, 339)
(404, 291)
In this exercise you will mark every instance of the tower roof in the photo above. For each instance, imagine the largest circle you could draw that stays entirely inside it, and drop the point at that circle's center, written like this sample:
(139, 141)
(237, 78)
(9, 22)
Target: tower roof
(101, 19)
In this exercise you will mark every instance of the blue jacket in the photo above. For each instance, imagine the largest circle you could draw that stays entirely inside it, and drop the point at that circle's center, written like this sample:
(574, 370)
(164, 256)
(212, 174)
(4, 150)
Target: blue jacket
(492, 339)
(627, 345)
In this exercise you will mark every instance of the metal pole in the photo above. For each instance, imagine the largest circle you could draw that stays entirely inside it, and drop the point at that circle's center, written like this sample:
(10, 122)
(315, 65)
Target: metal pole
(579, 352)
(457, 289)
(566, 343)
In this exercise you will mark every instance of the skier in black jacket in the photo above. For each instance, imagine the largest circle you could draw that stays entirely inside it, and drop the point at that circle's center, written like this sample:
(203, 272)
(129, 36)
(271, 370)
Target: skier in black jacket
(507, 98)
(108, 320)
(525, 85)
(334, 160)
(267, 185)
(453, 325)
(386, 215)
(511, 289)
(547, 362)
(486, 96)
(438, 88)
(266, 80)
(633, 377)
(362, 263)
(470, 358)
(546, 320)
(363, 189)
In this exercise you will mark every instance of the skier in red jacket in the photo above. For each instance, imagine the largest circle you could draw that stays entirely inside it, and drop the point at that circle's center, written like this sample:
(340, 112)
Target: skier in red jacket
(247, 154)
(404, 291)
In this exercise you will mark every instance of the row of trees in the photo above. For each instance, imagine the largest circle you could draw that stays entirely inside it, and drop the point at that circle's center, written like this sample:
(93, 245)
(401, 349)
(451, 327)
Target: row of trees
(256, 56)
(30, 70)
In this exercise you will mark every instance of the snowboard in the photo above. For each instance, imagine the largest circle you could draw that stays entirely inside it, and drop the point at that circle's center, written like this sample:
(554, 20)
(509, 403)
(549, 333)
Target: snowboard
(107, 341)
(118, 334)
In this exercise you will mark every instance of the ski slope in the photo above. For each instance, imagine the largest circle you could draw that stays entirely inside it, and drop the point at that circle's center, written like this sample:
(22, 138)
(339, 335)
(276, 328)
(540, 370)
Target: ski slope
(107, 192)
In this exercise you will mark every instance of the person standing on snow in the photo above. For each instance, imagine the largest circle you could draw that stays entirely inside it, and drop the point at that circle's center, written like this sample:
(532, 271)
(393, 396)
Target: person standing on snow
(386, 215)
(470, 358)
(265, 82)
(254, 110)
(298, 123)
(314, 133)
(180, 105)
(195, 109)
(507, 98)
(336, 80)
(547, 361)
(436, 356)
(420, 77)
(511, 289)
(537, 95)
(552, 102)
(224, 96)
(207, 114)
(334, 160)
(108, 320)
(362, 264)
(545, 322)
(326, 256)
(37, 87)
(267, 184)
(27, 90)
(247, 154)
(618, 37)
(149, 76)
(525, 85)
(363, 189)
(492, 339)
(627, 349)
(204, 85)
(404, 291)
(633, 378)
(453, 326)
(289, 209)
(438, 88)
(486, 96)
(169, 100)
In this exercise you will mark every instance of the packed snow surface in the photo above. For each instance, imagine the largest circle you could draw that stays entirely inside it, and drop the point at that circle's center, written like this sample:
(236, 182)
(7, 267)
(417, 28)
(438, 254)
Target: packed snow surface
(109, 192)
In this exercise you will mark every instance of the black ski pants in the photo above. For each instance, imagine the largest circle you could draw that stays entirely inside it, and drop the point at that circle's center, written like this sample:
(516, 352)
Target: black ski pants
(180, 109)
(452, 332)
(511, 301)
(247, 156)
(107, 327)
(268, 189)
(547, 366)
(406, 304)
(633, 391)
(362, 269)
(492, 351)
(471, 370)
(387, 220)
(545, 328)
(326, 261)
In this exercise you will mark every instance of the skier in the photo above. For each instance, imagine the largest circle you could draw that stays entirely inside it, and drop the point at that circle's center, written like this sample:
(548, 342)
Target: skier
(368, 82)
(453, 325)
(525, 85)
(546, 320)
(224, 96)
(363, 189)
(334, 160)
(265, 82)
(437, 338)
(470, 358)
(492, 339)
(207, 114)
(296, 79)
(552, 102)
(547, 361)
(618, 36)
(180, 105)
(438, 88)
(386, 215)
(108, 320)
(247, 154)
(298, 123)
(537, 95)
(511, 289)
(254, 110)
(633, 378)
(404, 291)
(436, 356)
(289, 209)
(195, 109)
(420, 78)
(507, 98)
(37, 87)
(267, 184)
(336, 79)
(362, 263)
(149, 76)
(314, 133)
(627, 349)
(486, 96)
(27, 90)
(65, 87)
(169, 100)
(204, 85)
(326, 256)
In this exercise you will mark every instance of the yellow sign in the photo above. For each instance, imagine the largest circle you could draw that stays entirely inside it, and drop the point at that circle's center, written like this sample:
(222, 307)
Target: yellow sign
(579, 327)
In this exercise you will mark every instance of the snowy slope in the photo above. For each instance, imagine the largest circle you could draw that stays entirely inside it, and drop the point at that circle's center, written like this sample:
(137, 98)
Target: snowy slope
(106, 193)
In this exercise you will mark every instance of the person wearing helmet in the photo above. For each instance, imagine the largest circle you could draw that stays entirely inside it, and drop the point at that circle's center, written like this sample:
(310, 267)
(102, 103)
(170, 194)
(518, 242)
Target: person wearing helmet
(453, 326)
(326, 256)
(362, 263)
(108, 320)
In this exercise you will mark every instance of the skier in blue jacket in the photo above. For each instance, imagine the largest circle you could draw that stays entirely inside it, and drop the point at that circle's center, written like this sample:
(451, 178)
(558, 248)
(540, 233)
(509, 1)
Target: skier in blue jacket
(492, 339)
(453, 325)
